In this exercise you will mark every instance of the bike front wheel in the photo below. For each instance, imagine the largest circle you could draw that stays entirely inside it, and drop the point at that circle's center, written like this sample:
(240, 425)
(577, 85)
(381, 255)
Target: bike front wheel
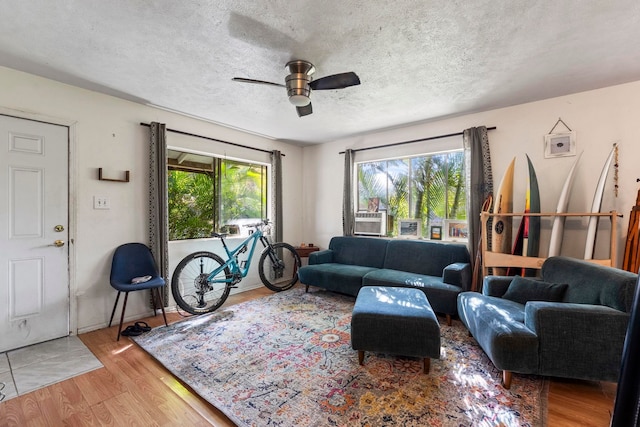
(278, 267)
(191, 287)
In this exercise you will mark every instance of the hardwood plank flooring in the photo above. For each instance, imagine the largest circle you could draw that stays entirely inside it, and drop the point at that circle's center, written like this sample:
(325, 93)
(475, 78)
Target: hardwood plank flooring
(134, 390)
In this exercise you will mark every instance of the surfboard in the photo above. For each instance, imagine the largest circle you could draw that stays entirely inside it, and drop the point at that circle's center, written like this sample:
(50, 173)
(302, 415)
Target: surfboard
(592, 228)
(527, 240)
(531, 243)
(557, 229)
(503, 203)
(517, 249)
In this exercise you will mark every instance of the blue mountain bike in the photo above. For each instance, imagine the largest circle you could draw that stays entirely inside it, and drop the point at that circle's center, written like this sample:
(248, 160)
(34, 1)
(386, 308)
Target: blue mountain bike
(202, 280)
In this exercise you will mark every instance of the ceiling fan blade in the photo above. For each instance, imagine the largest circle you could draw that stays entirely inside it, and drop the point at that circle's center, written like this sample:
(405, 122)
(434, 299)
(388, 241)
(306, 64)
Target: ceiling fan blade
(335, 81)
(304, 111)
(258, 82)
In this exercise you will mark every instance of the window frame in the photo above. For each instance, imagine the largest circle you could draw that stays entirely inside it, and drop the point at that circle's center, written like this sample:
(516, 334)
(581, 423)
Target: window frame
(218, 159)
(408, 158)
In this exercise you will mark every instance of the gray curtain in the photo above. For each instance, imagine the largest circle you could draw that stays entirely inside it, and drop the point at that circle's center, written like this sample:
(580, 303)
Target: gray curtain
(276, 191)
(158, 208)
(479, 180)
(347, 195)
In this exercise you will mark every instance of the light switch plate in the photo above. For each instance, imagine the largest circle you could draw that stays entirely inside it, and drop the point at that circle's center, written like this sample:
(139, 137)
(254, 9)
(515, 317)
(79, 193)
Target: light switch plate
(101, 202)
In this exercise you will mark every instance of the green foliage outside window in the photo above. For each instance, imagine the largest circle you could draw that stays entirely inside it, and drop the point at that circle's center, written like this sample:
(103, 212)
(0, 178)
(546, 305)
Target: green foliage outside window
(190, 204)
(201, 202)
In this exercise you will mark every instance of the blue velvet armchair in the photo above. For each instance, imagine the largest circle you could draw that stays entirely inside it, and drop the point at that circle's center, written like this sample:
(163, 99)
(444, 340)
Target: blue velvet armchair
(569, 323)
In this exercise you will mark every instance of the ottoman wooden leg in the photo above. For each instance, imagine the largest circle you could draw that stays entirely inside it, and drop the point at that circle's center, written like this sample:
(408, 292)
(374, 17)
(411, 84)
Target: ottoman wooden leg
(427, 365)
(448, 320)
(361, 357)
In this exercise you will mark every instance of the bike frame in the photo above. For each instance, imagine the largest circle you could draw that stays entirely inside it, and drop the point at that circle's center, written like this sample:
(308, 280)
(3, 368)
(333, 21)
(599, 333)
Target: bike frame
(236, 270)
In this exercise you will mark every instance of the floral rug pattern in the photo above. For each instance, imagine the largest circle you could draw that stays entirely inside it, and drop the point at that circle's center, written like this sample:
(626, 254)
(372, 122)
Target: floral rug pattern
(286, 360)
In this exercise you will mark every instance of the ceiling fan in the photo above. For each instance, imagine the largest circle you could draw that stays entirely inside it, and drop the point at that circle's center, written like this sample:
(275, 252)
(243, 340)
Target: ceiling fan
(299, 84)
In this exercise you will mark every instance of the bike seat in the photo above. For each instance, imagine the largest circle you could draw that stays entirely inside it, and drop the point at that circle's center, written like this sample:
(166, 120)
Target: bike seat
(219, 235)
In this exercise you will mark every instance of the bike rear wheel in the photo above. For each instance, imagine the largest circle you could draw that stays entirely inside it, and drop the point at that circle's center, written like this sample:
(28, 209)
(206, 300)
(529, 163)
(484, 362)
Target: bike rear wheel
(190, 286)
(278, 267)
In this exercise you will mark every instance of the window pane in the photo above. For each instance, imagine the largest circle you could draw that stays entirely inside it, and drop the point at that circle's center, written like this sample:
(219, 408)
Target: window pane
(398, 192)
(372, 186)
(429, 188)
(190, 204)
(242, 191)
(456, 188)
(207, 194)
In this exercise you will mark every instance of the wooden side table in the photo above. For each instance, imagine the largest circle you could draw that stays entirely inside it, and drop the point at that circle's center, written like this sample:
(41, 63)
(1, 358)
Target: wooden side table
(304, 251)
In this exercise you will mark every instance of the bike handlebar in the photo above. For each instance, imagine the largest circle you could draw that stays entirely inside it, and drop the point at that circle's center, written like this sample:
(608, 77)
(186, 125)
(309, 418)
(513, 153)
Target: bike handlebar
(258, 224)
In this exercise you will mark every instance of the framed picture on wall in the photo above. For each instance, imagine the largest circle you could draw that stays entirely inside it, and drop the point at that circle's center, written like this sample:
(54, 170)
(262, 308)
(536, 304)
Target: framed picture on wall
(456, 230)
(560, 144)
(409, 229)
(436, 232)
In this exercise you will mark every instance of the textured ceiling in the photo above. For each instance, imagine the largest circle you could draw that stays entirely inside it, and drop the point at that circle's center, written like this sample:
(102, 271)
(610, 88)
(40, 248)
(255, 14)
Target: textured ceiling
(417, 60)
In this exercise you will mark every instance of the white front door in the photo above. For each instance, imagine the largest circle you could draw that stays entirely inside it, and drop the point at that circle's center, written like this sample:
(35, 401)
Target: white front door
(34, 255)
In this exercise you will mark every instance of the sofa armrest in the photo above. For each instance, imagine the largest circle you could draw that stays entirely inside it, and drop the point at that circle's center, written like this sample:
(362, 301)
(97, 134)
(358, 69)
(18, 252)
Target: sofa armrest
(321, 257)
(578, 340)
(458, 274)
(496, 286)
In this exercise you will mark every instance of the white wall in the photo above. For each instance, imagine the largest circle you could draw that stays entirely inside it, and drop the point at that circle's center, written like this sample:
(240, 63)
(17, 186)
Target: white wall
(600, 118)
(109, 135)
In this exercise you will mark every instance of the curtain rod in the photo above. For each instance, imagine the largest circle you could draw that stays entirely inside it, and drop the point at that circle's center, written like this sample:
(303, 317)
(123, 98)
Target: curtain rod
(213, 139)
(414, 140)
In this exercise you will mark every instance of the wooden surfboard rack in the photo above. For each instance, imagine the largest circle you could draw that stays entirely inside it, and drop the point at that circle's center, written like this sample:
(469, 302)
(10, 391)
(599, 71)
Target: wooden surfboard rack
(497, 259)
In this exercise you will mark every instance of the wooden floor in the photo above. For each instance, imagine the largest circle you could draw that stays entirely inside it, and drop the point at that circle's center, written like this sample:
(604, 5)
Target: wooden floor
(135, 390)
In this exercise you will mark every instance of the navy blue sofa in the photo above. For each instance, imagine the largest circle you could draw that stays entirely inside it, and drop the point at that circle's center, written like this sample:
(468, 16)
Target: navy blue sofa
(569, 323)
(441, 270)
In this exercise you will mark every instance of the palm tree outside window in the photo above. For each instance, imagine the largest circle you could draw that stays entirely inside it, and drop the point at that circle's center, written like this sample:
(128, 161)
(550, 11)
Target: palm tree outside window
(429, 188)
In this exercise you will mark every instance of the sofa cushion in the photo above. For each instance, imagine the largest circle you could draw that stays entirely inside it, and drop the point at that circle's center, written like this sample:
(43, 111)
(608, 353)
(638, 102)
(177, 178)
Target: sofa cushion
(497, 325)
(523, 289)
(363, 251)
(441, 296)
(346, 279)
(422, 257)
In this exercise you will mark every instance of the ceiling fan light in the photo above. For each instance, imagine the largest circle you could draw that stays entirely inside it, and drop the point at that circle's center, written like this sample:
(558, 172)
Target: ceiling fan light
(299, 100)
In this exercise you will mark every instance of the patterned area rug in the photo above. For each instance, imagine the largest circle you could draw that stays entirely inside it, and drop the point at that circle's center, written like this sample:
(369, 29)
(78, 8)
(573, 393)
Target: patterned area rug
(286, 360)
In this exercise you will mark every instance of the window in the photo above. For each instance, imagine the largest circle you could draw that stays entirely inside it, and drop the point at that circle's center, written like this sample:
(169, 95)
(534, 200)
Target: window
(430, 188)
(207, 194)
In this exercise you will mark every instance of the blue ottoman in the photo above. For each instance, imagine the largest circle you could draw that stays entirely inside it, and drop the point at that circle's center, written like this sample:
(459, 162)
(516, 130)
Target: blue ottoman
(397, 321)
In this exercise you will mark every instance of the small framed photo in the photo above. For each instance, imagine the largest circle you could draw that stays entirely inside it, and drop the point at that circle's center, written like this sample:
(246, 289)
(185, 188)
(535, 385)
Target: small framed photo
(456, 230)
(373, 204)
(436, 232)
(560, 144)
(409, 229)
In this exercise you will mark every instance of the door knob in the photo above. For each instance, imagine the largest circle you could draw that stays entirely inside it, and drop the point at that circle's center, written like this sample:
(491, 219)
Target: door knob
(58, 243)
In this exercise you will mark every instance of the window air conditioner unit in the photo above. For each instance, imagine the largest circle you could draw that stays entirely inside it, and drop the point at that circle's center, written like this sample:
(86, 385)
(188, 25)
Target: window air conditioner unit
(371, 223)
